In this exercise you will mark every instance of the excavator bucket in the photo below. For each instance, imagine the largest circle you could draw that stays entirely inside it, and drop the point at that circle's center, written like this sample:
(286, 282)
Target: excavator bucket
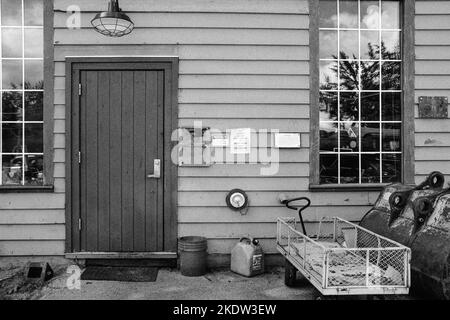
(418, 217)
(430, 261)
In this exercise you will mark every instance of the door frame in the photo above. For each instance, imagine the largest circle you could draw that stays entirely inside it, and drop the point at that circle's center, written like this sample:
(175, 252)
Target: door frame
(74, 65)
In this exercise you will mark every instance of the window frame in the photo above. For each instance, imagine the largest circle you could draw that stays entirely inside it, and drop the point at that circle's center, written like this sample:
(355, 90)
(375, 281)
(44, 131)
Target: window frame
(408, 105)
(48, 112)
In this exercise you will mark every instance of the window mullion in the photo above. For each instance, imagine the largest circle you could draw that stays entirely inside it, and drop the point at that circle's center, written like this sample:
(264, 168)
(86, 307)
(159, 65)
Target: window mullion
(1, 102)
(359, 95)
(23, 93)
(381, 92)
(338, 91)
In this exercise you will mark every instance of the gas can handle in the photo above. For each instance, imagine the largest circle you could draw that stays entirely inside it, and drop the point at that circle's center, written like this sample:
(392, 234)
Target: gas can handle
(251, 240)
(246, 238)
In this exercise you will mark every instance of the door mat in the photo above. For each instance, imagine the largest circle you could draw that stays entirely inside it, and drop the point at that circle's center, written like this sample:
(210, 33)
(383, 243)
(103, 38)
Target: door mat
(125, 274)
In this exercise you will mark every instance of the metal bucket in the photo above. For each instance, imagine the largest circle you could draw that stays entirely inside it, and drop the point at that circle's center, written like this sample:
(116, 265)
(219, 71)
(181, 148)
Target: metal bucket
(418, 217)
(393, 214)
(430, 246)
(192, 256)
(380, 218)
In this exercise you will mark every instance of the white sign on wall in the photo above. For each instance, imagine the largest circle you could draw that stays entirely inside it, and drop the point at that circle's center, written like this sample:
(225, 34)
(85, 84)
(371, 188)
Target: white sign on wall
(287, 140)
(240, 141)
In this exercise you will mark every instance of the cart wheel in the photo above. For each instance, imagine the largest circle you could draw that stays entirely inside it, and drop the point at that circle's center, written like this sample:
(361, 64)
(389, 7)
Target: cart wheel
(290, 274)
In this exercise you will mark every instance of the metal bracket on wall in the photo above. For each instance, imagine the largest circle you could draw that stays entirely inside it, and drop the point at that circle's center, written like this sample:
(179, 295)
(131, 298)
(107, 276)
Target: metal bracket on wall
(194, 149)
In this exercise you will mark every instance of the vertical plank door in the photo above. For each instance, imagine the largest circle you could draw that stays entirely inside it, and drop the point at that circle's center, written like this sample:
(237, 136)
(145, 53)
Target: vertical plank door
(121, 134)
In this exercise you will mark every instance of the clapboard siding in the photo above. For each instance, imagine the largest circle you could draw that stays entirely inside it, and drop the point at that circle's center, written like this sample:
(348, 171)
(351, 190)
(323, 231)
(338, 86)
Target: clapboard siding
(249, 184)
(202, 20)
(434, 37)
(186, 36)
(238, 95)
(224, 6)
(438, 22)
(246, 111)
(287, 125)
(222, 67)
(439, 81)
(32, 248)
(243, 63)
(228, 230)
(271, 199)
(433, 7)
(432, 153)
(432, 53)
(425, 167)
(233, 81)
(244, 67)
(435, 67)
(211, 96)
(32, 217)
(191, 52)
(244, 170)
(432, 79)
(440, 139)
(32, 232)
(10, 201)
(267, 215)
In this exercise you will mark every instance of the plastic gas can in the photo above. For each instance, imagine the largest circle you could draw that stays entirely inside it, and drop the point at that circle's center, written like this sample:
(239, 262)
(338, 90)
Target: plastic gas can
(247, 257)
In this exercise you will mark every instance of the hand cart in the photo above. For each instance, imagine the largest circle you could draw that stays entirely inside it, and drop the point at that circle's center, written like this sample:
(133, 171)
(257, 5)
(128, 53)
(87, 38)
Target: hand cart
(342, 258)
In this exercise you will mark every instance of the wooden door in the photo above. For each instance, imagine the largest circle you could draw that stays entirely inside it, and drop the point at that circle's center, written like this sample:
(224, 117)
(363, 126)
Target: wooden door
(121, 134)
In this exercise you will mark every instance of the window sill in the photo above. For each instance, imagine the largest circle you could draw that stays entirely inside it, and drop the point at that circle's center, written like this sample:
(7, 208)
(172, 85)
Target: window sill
(347, 187)
(26, 189)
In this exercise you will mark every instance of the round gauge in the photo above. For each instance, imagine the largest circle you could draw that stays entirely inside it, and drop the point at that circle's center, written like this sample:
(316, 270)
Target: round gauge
(237, 199)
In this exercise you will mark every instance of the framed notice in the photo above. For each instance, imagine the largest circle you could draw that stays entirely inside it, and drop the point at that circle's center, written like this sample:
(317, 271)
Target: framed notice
(240, 140)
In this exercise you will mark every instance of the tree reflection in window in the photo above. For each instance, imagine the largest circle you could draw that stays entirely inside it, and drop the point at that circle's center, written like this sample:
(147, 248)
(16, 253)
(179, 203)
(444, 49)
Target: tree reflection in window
(360, 91)
(22, 92)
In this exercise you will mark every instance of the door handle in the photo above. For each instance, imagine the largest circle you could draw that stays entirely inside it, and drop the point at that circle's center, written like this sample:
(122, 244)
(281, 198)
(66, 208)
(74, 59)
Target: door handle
(156, 170)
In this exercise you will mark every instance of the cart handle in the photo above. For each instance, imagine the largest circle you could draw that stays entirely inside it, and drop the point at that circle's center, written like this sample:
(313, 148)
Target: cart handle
(286, 202)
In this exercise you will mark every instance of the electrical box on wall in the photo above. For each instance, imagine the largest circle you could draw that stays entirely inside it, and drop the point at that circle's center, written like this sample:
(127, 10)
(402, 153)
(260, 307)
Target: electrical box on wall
(194, 148)
(433, 107)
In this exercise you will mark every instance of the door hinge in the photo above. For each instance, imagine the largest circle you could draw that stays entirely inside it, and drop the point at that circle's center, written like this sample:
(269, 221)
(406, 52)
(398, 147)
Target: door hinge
(79, 89)
(79, 224)
(79, 156)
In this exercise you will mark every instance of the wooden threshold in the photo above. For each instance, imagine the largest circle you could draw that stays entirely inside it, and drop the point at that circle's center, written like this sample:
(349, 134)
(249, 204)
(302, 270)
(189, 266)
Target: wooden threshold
(122, 255)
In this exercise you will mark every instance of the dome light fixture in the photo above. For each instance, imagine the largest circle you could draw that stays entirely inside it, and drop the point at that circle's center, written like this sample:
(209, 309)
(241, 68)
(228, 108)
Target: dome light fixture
(113, 23)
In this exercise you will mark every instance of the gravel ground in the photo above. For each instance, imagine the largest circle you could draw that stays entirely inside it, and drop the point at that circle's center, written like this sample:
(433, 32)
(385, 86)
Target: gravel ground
(169, 285)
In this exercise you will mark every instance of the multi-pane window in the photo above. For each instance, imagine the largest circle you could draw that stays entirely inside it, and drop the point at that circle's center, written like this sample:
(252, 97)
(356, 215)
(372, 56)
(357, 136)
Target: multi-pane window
(360, 91)
(22, 90)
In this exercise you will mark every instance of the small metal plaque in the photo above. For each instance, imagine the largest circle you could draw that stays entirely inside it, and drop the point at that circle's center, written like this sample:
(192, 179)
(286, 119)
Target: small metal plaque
(433, 107)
